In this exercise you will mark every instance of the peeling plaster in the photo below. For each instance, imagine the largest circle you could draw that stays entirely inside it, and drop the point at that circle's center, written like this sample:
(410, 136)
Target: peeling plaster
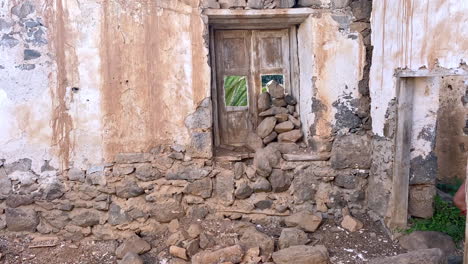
(335, 68)
(413, 35)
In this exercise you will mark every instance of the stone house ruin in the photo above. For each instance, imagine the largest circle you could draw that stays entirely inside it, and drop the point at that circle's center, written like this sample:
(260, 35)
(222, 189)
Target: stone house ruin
(116, 116)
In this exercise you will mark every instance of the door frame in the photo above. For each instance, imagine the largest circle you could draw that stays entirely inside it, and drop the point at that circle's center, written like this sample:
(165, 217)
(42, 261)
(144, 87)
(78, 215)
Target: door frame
(293, 72)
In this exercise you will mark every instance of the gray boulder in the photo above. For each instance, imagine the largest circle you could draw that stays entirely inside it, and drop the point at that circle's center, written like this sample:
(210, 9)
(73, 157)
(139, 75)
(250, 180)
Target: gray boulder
(426, 256)
(426, 240)
(21, 219)
(302, 255)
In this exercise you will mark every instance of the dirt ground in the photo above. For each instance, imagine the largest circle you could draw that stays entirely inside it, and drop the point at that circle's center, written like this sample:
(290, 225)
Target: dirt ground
(344, 247)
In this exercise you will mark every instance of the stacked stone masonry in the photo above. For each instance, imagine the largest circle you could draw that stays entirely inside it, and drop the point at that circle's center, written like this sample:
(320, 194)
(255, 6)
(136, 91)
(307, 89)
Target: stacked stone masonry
(138, 189)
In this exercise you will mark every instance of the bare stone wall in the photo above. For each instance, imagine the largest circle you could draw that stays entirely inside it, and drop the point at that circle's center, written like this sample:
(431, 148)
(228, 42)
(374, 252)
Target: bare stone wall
(451, 141)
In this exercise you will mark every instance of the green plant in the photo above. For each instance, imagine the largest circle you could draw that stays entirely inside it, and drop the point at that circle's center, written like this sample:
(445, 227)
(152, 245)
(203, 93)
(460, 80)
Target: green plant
(450, 188)
(446, 219)
(235, 90)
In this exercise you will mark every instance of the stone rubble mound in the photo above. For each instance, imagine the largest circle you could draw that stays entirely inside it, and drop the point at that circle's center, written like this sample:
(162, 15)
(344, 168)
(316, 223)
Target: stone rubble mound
(279, 118)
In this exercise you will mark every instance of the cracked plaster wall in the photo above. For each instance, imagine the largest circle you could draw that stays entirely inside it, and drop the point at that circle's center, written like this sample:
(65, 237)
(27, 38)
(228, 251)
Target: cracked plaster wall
(413, 35)
(106, 77)
(84, 80)
(330, 77)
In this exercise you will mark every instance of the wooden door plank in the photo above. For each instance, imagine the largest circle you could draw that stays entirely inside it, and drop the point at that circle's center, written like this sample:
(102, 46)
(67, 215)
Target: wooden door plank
(295, 77)
(214, 89)
(400, 187)
(232, 58)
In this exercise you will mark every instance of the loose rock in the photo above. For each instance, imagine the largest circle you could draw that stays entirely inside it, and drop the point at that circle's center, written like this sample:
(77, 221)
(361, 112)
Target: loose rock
(275, 89)
(264, 100)
(131, 258)
(274, 111)
(280, 181)
(278, 102)
(253, 238)
(426, 240)
(254, 141)
(261, 185)
(292, 237)
(266, 127)
(243, 191)
(290, 100)
(284, 127)
(351, 224)
(178, 252)
(85, 217)
(426, 256)
(134, 244)
(307, 221)
(302, 255)
(230, 254)
(19, 219)
(194, 230)
(270, 137)
(291, 136)
(128, 189)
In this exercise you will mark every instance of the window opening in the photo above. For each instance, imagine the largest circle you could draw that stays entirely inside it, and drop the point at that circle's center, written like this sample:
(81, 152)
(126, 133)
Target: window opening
(279, 78)
(235, 90)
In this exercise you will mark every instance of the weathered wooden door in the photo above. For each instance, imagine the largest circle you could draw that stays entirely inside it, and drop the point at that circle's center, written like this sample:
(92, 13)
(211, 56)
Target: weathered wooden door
(242, 58)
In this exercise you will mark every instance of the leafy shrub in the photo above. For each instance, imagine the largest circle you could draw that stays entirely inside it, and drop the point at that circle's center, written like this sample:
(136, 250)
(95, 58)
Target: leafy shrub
(446, 219)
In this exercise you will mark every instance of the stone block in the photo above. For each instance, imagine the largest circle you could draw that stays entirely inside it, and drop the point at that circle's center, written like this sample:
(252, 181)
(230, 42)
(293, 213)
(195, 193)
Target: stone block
(421, 200)
(201, 145)
(202, 188)
(243, 191)
(146, 172)
(307, 221)
(231, 254)
(131, 258)
(189, 173)
(19, 219)
(266, 127)
(75, 174)
(302, 255)
(17, 200)
(23, 10)
(351, 224)
(351, 151)
(264, 99)
(117, 216)
(166, 211)
(224, 187)
(128, 189)
(292, 237)
(128, 158)
(225, 4)
(85, 217)
(284, 127)
(134, 244)
(426, 256)
(275, 89)
(252, 238)
(428, 239)
(279, 180)
(310, 3)
(292, 136)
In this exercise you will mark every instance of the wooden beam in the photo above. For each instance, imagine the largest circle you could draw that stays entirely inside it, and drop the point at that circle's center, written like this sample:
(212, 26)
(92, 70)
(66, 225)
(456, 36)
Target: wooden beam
(255, 19)
(430, 73)
(400, 187)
